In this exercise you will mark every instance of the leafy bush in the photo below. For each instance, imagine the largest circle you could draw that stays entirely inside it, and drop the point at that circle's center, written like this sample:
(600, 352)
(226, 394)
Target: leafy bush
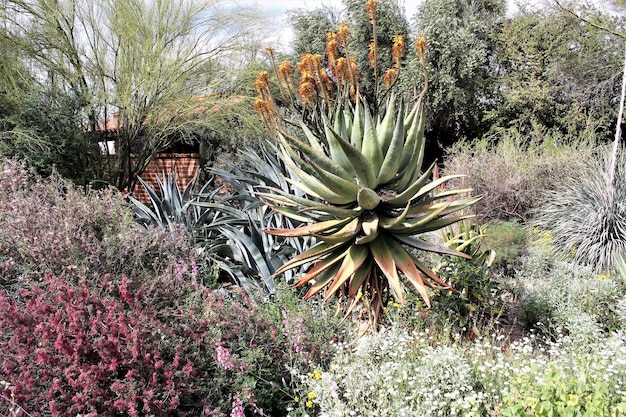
(512, 171)
(586, 216)
(578, 382)
(475, 298)
(51, 226)
(511, 240)
(558, 296)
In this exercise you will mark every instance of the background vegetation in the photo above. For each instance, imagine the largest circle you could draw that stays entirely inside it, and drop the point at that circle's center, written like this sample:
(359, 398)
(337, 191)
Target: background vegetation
(110, 306)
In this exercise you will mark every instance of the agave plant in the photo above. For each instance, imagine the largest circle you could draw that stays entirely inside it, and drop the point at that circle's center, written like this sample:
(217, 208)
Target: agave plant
(169, 207)
(371, 204)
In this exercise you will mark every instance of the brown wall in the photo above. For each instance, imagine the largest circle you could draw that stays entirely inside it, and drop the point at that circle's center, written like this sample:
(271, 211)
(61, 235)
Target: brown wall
(186, 166)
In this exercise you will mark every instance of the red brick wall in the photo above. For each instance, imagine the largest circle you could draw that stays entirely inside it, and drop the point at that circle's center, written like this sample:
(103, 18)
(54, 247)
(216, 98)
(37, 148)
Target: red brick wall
(186, 166)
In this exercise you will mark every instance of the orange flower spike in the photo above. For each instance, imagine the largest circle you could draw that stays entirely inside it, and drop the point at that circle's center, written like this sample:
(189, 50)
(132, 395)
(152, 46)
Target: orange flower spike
(285, 71)
(399, 46)
(261, 106)
(261, 85)
(390, 77)
(372, 56)
(421, 46)
(370, 6)
(341, 68)
(354, 70)
(303, 65)
(342, 34)
(327, 83)
(332, 50)
(307, 87)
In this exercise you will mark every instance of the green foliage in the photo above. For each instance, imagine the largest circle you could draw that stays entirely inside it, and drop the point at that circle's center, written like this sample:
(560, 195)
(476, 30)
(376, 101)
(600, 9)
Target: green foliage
(475, 298)
(398, 373)
(586, 216)
(511, 239)
(512, 170)
(568, 391)
(462, 46)
(559, 71)
(556, 296)
(310, 28)
(43, 129)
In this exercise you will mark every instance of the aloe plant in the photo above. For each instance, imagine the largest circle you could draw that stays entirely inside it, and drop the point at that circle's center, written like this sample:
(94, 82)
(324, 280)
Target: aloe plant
(366, 201)
(370, 204)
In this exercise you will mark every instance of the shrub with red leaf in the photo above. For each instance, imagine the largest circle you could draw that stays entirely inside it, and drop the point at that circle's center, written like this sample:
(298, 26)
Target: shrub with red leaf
(71, 349)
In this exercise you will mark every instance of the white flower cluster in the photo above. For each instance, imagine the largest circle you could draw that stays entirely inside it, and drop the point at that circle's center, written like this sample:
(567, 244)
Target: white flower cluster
(399, 373)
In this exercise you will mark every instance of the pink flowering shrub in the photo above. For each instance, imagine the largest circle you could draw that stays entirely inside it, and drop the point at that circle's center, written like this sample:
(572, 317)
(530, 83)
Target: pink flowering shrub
(48, 225)
(98, 318)
(105, 349)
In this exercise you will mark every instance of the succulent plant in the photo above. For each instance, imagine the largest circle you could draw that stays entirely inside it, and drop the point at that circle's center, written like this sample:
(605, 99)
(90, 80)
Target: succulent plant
(371, 203)
(358, 162)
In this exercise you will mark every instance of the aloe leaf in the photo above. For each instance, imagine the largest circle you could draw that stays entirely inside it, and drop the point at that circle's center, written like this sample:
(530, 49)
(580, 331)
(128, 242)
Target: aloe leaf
(344, 234)
(310, 255)
(405, 263)
(356, 135)
(362, 167)
(332, 165)
(409, 193)
(308, 230)
(355, 257)
(389, 222)
(431, 225)
(360, 277)
(314, 141)
(395, 148)
(385, 130)
(415, 136)
(420, 244)
(371, 148)
(385, 261)
(320, 267)
(312, 185)
(322, 280)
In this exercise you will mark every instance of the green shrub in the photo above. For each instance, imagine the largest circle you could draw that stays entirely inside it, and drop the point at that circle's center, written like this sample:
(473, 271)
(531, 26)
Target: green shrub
(511, 171)
(557, 296)
(509, 239)
(574, 383)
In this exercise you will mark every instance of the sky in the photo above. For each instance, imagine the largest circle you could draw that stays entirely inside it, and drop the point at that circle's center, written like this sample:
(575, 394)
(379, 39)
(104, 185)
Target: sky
(277, 10)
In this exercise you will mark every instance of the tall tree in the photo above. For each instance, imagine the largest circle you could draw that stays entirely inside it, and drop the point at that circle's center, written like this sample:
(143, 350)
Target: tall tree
(461, 37)
(560, 72)
(311, 27)
(141, 63)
